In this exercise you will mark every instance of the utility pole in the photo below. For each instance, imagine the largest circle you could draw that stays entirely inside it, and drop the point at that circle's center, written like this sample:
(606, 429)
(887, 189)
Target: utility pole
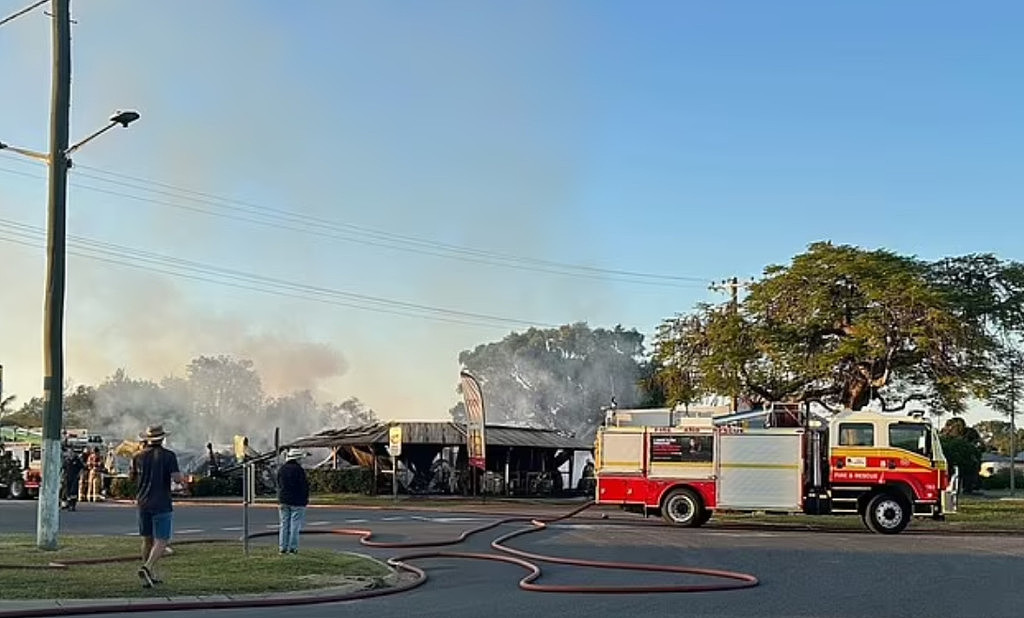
(1013, 425)
(733, 286)
(48, 519)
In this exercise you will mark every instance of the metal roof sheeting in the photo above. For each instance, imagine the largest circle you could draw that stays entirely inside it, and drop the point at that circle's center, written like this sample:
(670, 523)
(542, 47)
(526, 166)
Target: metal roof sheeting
(441, 433)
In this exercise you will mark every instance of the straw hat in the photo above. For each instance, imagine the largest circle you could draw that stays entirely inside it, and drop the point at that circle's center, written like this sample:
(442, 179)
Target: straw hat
(153, 433)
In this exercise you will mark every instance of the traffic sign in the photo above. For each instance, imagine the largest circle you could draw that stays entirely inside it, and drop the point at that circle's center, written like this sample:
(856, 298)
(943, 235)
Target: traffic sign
(395, 440)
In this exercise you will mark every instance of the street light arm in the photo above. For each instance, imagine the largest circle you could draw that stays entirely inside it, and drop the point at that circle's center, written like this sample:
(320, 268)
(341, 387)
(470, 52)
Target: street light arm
(25, 152)
(27, 9)
(89, 139)
(120, 118)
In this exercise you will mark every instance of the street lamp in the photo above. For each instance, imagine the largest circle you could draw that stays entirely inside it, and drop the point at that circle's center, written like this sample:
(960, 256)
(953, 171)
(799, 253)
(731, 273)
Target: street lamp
(120, 118)
(59, 161)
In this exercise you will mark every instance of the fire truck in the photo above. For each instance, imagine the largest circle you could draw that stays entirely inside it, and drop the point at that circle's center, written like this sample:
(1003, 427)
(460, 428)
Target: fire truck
(25, 483)
(28, 458)
(882, 467)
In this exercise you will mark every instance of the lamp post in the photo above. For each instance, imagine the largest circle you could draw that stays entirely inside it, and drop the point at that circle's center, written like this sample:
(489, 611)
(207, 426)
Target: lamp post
(58, 160)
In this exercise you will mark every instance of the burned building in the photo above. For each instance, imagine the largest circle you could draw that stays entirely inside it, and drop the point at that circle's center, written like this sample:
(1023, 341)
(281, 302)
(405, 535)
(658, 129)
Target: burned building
(520, 461)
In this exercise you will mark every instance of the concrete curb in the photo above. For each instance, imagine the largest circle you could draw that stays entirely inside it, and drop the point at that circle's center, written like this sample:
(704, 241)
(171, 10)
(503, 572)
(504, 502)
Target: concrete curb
(487, 508)
(353, 584)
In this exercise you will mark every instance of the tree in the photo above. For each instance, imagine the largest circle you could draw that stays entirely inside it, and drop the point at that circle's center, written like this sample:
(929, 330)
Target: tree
(845, 326)
(995, 436)
(227, 394)
(79, 405)
(5, 405)
(963, 447)
(29, 415)
(557, 378)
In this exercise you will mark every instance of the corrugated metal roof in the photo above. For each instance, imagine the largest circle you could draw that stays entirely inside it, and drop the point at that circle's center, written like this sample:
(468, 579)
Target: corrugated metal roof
(442, 433)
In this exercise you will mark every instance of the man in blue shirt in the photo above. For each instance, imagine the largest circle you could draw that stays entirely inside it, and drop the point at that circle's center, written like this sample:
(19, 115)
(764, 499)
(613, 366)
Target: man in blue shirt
(153, 469)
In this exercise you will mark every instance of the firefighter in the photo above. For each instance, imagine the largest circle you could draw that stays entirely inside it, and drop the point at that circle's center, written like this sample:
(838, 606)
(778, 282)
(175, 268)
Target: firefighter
(71, 470)
(95, 464)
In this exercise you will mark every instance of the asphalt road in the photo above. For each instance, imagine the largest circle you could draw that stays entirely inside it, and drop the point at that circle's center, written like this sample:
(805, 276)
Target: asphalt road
(802, 574)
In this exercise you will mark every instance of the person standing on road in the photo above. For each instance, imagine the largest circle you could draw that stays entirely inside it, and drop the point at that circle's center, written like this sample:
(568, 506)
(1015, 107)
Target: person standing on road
(292, 498)
(71, 469)
(95, 475)
(153, 468)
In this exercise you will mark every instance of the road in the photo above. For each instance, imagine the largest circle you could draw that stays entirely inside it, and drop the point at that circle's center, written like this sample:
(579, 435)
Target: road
(846, 574)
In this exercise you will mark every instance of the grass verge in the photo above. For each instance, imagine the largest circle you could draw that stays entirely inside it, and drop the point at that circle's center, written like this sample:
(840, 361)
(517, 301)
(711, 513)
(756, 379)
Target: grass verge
(197, 569)
(974, 514)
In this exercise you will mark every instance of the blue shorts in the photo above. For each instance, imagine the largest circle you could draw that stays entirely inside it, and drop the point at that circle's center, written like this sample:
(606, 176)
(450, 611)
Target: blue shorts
(155, 525)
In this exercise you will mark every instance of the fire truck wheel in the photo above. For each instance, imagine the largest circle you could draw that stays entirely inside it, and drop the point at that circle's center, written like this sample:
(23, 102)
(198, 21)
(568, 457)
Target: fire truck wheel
(887, 514)
(17, 490)
(682, 507)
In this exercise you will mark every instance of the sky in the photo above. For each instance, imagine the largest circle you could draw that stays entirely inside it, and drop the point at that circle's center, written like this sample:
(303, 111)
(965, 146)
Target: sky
(363, 163)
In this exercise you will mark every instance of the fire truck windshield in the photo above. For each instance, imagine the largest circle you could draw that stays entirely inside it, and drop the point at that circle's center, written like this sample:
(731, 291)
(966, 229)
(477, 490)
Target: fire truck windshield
(913, 437)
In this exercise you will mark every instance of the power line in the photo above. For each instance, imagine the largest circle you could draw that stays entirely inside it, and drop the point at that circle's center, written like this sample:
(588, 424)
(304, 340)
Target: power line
(316, 226)
(19, 233)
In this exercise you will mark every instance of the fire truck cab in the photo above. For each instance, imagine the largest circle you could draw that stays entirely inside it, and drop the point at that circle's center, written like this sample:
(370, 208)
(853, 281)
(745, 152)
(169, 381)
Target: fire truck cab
(884, 468)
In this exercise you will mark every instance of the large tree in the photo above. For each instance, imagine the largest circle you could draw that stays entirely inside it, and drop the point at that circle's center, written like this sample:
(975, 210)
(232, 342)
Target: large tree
(845, 326)
(557, 378)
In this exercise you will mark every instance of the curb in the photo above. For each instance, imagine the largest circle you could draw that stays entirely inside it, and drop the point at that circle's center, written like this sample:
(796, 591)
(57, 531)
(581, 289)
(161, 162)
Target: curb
(488, 508)
(356, 586)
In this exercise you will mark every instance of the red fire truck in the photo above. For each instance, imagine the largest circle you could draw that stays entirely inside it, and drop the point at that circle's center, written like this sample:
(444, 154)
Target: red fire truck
(882, 467)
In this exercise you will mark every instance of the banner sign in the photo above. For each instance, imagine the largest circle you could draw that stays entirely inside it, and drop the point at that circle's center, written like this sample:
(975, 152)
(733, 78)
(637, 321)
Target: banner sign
(474, 400)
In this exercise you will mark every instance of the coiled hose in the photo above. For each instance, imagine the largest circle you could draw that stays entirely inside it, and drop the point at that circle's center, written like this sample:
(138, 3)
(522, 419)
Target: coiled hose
(510, 555)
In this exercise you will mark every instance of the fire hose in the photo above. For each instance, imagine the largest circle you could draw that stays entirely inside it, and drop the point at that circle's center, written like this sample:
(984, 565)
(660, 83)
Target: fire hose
(509, 555)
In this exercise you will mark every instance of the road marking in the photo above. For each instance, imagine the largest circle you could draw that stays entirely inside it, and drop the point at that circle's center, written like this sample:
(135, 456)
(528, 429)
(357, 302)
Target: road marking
(320, 523)
(392, 518)
(448, 520)
(273, 525)
(190, 531)
(131, 534)
(356, 521)
(232, 528)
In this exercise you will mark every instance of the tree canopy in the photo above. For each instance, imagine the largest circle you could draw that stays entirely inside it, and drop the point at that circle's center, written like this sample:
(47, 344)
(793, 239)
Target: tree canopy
(557, 378)
(846, 326)
(218, 397)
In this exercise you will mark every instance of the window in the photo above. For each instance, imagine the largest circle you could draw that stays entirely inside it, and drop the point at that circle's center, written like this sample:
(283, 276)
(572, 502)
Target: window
(856, 434)
(913, 437)
(678, 449)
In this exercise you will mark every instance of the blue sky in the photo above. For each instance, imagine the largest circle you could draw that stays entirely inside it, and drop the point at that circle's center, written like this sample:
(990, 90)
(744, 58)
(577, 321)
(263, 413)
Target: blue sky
(698, 140)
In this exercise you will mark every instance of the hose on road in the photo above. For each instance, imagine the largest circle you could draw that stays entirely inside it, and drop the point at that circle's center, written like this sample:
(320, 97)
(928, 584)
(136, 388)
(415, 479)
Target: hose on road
(509, 555)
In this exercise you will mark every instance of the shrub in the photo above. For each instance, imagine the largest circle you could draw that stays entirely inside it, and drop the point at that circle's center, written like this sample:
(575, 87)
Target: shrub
(122, 488)
(208, 486)
(344, 481)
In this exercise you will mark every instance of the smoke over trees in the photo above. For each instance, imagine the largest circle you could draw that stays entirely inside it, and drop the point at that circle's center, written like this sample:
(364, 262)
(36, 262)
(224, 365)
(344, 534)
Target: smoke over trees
(218, 397)
(557, 378)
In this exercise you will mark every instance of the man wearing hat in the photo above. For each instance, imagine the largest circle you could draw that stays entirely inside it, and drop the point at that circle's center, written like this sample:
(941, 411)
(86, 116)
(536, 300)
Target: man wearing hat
(153, 469)
(292, 499)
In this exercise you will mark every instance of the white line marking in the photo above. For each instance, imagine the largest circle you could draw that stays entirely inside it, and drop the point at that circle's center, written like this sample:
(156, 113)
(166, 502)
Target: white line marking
(356, 521)
(273, 525)
(189, 531)
(131, 534)
(320, 523)
(232, 528)
(448, 520)
(392, 518)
